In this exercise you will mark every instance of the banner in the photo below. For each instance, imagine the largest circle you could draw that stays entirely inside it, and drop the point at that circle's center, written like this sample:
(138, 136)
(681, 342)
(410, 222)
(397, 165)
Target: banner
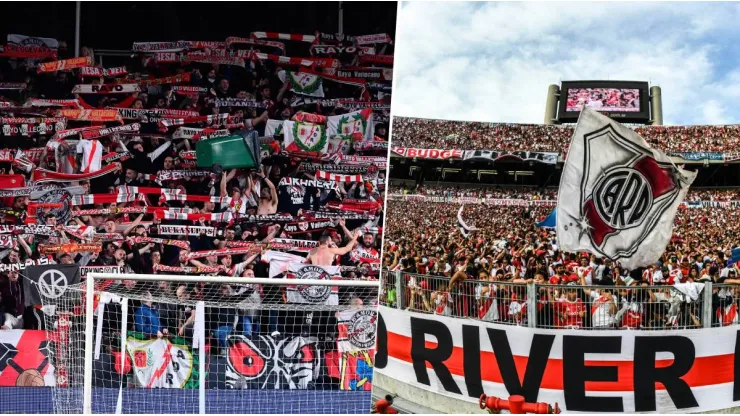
(20, 86)
(356, 329)
(213, 59)
(25, 359)
(697, 156)
(372, 39)
(332, 50)
(427, 153)
(677, 371)
(617, 197)
(267, 363)
(174, 79)
(28, 52)
(234, 40)
(317, 295)
(549, 158)
(162, 363)
(106, 88)
(308, 62)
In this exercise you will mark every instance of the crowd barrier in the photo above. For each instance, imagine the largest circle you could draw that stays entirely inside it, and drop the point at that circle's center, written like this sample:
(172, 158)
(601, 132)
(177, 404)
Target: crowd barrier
(431, 354)
(537, 202)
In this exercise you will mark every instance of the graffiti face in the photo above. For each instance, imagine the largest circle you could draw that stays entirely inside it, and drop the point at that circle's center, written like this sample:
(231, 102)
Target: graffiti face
(266, 363)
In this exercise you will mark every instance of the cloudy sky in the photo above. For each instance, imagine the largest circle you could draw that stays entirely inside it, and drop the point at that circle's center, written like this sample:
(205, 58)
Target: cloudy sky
(494, 61)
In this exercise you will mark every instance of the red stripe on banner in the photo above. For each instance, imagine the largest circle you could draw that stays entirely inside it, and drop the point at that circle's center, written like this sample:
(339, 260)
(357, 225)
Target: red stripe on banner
(706, 371)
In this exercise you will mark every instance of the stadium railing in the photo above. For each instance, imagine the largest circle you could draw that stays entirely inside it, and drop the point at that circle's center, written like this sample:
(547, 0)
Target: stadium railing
(701, 305)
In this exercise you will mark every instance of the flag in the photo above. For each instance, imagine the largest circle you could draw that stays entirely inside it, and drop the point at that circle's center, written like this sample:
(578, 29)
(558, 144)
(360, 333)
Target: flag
(618, 197)
(300, 136)
(162, 363)
(550, 221)
(357, 122)
(465, 229)
(303, 83)
(274, 128)
(326, 295)
(49, 281)
(356, 370)
(356, 329)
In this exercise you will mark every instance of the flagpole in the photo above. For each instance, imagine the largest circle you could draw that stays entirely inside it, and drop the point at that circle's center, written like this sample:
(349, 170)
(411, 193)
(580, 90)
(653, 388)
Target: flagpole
(77, 29)
(340, 29)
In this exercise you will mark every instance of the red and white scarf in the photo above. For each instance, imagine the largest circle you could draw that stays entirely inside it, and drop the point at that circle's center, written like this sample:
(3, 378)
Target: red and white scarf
(246, 41)
(223, 252)
(186, 230)
(188, 270)
(91, 115)
(105, 199)
(175, 79)
(65, 64)
(43, 102)
(103, 132)
(207, 216)
(309, 62)
(42, 175)
(212, 119)
(118, 88)
(91, 71)
(328, 176)
(283, 36)
(168, 242)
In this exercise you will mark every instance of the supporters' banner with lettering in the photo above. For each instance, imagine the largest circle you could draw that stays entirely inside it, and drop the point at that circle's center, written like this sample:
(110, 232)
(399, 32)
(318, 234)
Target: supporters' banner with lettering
(617, 197)
(683, 371)
(544, 157)
(317, 295)
(427, 153)
(333, 50)
(300, 136)
(357, 122)
(65, 64)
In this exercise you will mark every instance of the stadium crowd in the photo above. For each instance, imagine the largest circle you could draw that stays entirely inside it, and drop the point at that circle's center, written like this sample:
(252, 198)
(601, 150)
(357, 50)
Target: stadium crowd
(465, 135)
(111, 182)
(485, 274)
(534, 194)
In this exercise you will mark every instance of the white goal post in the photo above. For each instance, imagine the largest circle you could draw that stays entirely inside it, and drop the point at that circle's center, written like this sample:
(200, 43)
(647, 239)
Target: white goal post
(88, 291)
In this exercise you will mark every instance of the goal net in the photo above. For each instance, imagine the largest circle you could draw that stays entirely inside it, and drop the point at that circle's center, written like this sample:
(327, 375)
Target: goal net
(192, 344)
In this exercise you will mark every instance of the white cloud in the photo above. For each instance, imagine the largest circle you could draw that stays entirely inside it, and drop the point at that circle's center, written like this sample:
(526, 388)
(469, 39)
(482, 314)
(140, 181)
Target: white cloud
(494, 61)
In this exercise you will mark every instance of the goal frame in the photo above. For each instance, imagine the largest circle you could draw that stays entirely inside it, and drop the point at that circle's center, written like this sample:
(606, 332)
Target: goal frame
(89, 312)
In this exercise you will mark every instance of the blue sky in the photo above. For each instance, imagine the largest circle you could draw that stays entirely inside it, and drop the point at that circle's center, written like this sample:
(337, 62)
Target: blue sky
(493, 61)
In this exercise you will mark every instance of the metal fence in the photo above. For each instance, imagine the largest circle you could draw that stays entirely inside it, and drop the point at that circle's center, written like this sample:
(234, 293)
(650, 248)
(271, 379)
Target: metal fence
(700, 305)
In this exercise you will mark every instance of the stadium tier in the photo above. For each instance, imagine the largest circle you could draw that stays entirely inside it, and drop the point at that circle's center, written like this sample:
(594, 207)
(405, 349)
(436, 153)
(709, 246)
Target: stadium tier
(473, 259)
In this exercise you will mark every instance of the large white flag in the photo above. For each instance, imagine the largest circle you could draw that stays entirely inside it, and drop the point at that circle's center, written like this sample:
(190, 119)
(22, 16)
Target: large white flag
(618, 197)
